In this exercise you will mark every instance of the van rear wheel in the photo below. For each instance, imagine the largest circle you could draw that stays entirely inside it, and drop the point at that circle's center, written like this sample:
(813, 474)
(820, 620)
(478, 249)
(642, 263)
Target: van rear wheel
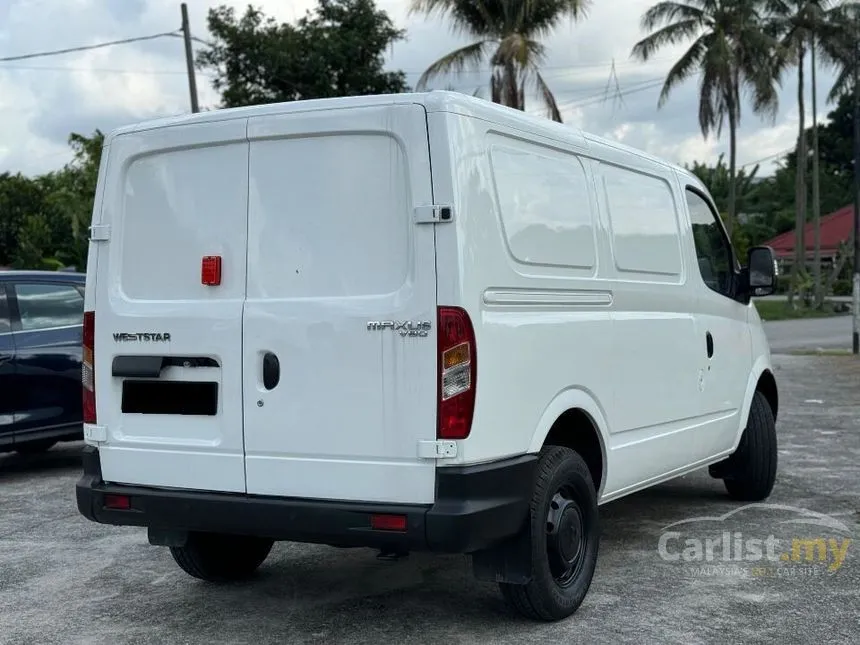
(563, 522)
(221, 558)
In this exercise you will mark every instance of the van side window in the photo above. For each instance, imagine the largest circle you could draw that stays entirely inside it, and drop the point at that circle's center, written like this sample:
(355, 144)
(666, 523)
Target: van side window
(643, 216)
(713, 251)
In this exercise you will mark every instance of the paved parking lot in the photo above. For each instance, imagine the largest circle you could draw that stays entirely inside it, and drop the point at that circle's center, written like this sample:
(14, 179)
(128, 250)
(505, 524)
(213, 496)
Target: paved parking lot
(65, 580)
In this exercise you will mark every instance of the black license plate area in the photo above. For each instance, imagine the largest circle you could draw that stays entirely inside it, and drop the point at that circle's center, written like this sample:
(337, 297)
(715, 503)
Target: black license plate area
(196, 398)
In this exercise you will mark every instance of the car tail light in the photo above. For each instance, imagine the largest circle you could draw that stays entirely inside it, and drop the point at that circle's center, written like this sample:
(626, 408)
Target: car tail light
(88, 370)
(457, 373)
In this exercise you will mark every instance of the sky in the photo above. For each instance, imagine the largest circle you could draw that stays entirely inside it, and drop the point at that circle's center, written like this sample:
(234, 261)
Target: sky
(43, 100)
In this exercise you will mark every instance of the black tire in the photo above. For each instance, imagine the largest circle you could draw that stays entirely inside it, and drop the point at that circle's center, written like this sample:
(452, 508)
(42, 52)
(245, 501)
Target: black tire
(221, 558)
(563, 498)
(35, 447)
(749, 474)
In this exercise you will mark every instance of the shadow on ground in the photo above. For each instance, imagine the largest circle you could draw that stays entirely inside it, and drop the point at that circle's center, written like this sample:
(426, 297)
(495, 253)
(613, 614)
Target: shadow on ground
(66, 580)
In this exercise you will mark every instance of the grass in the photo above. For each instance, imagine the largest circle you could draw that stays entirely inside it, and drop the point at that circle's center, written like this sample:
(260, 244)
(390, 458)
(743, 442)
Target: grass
(779, 310)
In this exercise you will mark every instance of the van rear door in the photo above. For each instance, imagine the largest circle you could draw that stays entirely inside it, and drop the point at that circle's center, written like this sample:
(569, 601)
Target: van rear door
(335, 405)
(168, 348)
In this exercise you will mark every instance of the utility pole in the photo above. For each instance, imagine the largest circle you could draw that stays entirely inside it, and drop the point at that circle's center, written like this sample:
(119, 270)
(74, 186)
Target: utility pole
(189, 59)
(855, 309)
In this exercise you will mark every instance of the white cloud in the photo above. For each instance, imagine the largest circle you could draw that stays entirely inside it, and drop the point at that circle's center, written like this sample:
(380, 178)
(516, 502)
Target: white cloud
(39, 108)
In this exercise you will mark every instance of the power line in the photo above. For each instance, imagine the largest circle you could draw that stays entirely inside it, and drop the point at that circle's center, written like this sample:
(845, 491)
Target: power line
(768, 158)
(208, 43)
(100, 70)
(570, 66)
(572, 91)
(57, 52)
(588, 101)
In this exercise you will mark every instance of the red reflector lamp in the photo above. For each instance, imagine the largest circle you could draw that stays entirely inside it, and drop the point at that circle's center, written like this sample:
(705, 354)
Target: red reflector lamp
(388, 522)
(118, 502)
(210, 273)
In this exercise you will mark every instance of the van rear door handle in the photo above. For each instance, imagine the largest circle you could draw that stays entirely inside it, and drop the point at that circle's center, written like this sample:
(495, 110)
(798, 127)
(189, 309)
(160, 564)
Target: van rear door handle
(271, 370)
(709, 341)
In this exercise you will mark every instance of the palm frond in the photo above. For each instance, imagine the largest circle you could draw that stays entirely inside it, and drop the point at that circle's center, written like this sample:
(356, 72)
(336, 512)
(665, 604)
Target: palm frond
(664, 13)
(538, 18)
(843, 84)
(669, 35)
(547, 97)
(473, 17)
(687, 66)
(456, 61)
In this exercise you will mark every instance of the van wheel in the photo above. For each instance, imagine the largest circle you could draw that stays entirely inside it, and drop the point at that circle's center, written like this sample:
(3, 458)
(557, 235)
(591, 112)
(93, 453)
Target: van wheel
(749, 474)
(564, 530)
(221, 558)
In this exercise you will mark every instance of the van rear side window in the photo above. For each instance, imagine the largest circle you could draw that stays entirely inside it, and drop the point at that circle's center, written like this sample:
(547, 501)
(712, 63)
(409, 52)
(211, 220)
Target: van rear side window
(545, 204)
(644, 220)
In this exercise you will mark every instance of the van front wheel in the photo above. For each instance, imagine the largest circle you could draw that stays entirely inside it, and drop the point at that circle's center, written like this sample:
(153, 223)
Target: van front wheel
(749, 474)
(221, 558)
(564, 532)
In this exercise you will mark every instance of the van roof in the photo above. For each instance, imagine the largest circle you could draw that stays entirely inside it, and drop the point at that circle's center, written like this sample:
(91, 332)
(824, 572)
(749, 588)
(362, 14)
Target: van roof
(433, 101)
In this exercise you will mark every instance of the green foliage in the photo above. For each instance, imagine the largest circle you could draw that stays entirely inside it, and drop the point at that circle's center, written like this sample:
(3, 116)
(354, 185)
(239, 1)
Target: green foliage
(717, 178)
(44, 220)
(19, 197)
(770, 310)
(766, 206)
(338, 50)
(843, 287)
(507, 35)
(730, 52)
(838, 38)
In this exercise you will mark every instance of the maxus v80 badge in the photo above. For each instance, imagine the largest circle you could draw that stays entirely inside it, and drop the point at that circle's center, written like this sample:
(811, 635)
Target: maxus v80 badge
(402, 327)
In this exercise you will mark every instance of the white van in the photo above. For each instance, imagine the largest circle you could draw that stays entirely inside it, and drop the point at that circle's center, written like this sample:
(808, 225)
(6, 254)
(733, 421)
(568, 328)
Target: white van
(410, 322)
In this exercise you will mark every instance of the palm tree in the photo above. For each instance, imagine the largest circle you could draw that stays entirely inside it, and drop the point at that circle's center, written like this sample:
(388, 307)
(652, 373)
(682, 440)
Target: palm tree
(798, 25)
(507, 35)
(730, 52)
(840, 46)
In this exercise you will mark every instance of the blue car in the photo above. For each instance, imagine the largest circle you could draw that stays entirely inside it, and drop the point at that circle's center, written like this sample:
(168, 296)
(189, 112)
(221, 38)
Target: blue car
(41, 321)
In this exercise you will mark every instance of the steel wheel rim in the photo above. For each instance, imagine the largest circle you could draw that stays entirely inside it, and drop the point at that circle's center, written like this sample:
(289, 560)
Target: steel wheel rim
(565, 537)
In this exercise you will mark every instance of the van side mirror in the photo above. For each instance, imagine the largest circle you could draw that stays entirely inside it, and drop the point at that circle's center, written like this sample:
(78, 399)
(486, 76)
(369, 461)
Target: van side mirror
(761, 272)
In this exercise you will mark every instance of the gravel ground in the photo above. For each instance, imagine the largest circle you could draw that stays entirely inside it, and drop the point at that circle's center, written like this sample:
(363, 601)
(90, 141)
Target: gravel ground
(66, 580)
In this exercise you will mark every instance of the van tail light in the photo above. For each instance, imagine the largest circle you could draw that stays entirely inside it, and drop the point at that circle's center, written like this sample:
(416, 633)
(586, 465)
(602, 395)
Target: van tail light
(457, 373)
(388, 522)
(88, 369)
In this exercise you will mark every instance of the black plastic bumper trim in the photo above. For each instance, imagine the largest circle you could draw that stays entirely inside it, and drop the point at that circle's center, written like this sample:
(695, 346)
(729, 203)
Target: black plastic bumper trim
(476, 507)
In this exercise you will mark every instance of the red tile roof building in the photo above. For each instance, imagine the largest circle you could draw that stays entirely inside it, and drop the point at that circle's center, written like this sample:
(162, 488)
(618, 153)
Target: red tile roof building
(836, 228)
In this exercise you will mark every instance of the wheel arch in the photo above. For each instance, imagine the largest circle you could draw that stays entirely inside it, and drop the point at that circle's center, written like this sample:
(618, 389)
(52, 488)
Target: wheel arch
(761, 379)
(574, 419)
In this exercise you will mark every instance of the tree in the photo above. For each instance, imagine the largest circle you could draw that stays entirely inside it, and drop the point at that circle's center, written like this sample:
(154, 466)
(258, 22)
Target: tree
(801, 25)
(841, 45)
(338, 50)
(718, 179)
(44, 220)
(731, 52)
(20, 196)
(767, 204)
(507, 34)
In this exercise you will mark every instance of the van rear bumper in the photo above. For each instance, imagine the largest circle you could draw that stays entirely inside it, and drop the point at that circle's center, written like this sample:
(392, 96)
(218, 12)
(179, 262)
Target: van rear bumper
(476, 507)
